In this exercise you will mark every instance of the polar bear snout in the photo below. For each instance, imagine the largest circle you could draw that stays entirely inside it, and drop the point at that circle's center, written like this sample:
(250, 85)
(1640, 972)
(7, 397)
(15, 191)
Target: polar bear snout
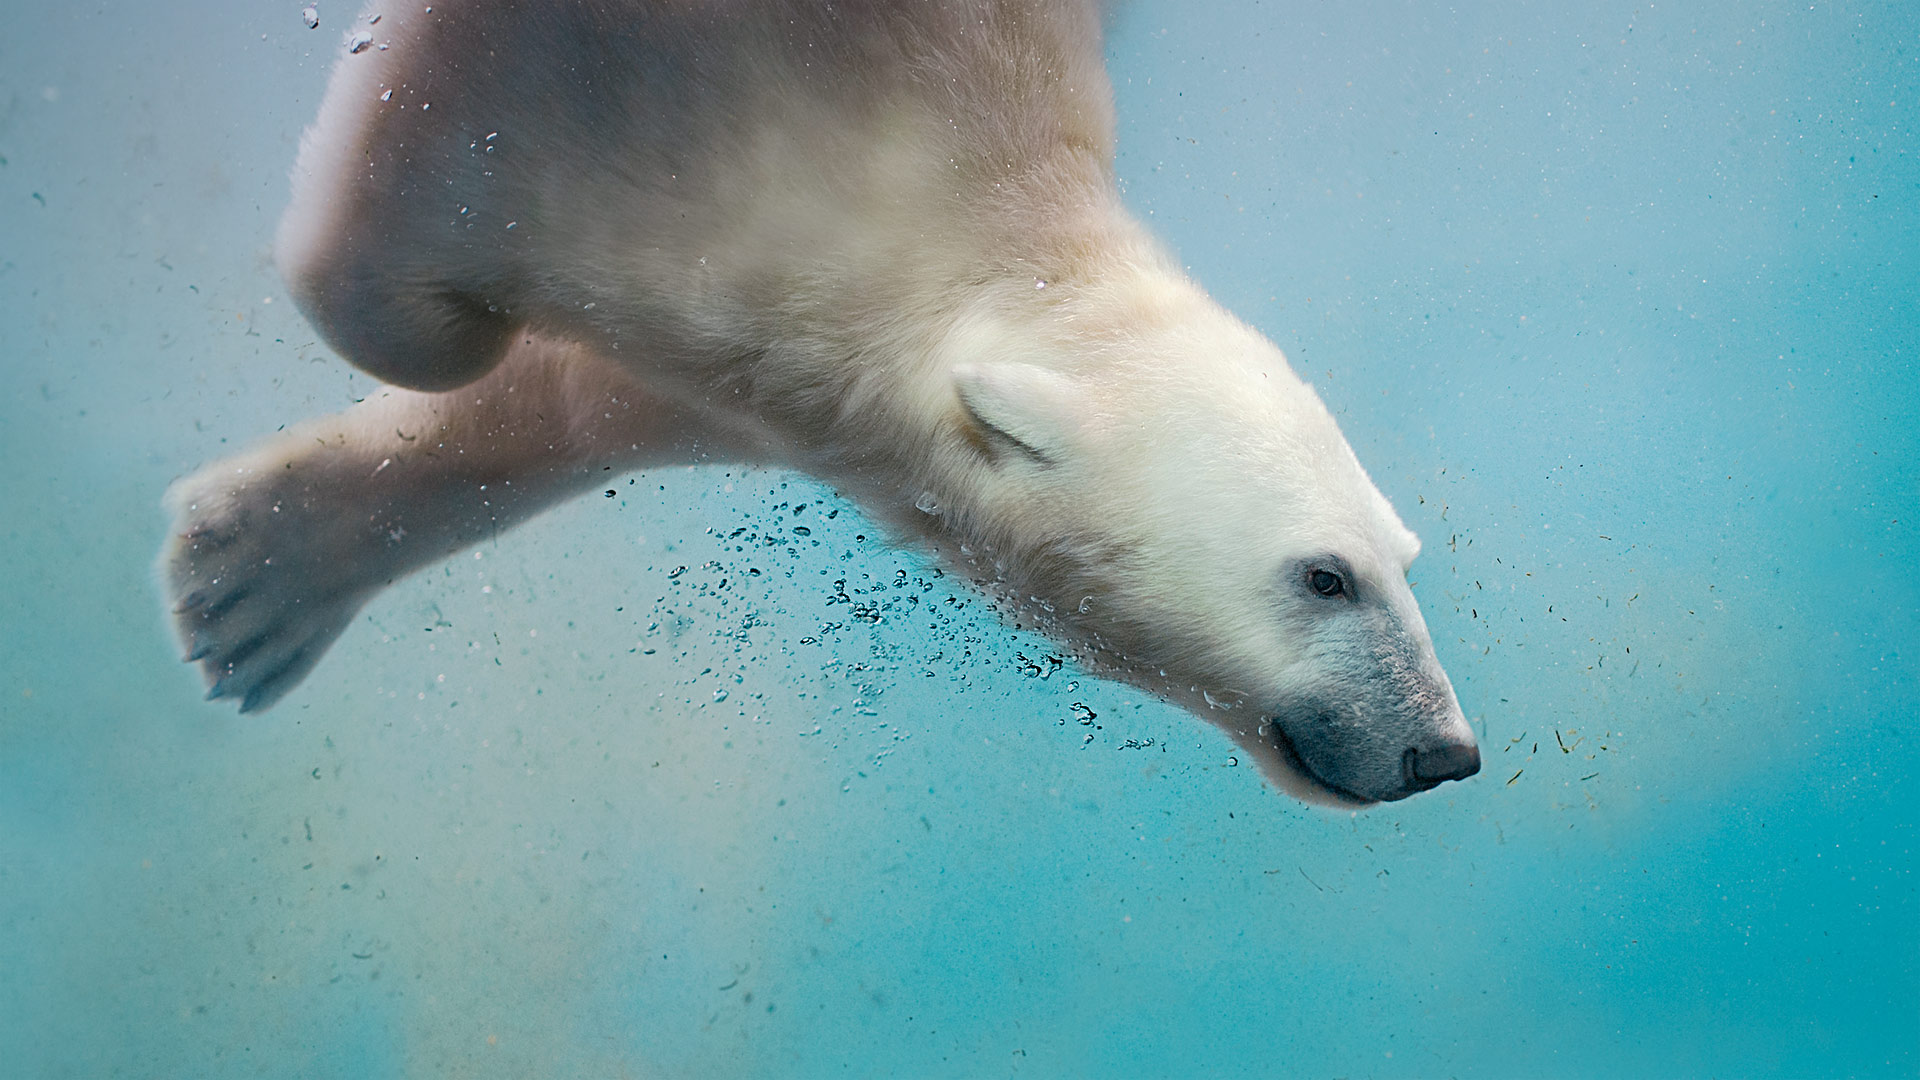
(1427, 768)
(1356, 759)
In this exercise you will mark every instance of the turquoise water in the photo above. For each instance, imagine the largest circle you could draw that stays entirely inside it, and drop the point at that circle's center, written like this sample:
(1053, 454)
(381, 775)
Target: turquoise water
(1620, 307)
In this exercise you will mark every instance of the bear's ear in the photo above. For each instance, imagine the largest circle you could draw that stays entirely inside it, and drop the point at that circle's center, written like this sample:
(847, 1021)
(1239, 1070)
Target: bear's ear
(1022, 408)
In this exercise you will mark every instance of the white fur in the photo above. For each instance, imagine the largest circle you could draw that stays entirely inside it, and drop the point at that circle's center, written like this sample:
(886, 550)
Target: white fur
(879, 241)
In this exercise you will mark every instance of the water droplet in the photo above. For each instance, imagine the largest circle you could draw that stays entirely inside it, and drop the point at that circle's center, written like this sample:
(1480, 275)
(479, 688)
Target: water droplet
(1039, 284)
(359, 41)
(926, 503)
(310, 16)
(719, 695)
(386, 95)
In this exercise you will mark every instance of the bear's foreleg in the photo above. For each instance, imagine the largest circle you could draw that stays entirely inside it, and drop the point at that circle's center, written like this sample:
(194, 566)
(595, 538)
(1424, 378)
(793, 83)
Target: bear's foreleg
(273, 551)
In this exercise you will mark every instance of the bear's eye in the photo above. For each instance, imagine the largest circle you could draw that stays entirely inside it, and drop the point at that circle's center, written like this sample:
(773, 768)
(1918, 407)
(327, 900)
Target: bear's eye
(1326, 583)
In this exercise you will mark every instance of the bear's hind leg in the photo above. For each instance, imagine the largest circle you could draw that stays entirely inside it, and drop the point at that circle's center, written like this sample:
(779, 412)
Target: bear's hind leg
(273, 551)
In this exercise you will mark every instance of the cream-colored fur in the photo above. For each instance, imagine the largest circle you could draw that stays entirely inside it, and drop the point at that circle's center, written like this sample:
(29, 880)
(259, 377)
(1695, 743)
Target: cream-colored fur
(878, 241)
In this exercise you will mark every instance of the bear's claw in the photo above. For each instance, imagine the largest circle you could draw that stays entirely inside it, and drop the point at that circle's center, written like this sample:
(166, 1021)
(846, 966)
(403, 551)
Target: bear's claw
(259, 589)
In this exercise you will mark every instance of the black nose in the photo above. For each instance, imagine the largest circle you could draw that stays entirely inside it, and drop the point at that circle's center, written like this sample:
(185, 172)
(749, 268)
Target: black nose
(1435, 766)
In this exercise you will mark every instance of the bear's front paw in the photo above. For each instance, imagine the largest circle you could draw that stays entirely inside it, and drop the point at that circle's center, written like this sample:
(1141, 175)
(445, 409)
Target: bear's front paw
(258, 584)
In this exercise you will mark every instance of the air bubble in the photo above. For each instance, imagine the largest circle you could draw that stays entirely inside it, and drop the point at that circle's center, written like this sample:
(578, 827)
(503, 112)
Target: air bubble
(310, 16)
(359, 41)
(926, 503)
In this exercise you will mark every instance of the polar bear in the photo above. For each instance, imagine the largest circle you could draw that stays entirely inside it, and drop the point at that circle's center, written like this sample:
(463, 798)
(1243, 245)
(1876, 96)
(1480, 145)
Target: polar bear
(876, 240)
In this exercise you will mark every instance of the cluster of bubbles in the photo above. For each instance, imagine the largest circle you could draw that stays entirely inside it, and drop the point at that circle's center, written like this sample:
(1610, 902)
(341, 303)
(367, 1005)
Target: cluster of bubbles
(802, 599)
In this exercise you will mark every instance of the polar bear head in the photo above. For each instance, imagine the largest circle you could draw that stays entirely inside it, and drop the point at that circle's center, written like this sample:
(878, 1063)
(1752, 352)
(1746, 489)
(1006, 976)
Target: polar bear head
(1183, 507)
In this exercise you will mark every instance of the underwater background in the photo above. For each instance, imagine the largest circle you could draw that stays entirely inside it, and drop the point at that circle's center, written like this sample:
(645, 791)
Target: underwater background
(1618, 302)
